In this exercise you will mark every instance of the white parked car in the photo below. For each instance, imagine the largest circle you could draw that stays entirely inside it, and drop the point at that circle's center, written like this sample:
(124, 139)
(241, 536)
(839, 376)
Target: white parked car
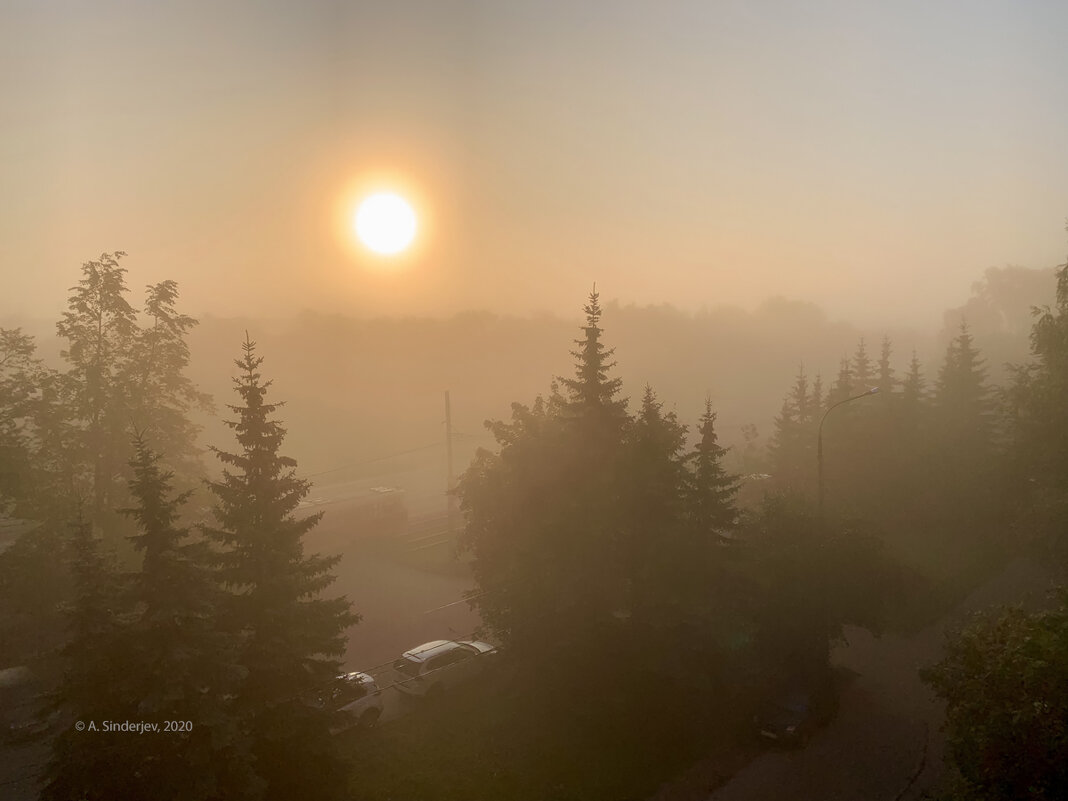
(359, 695)
(435, 666)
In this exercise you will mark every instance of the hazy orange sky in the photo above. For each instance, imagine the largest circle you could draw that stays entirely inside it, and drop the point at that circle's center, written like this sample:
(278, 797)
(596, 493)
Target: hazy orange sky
(871, 157)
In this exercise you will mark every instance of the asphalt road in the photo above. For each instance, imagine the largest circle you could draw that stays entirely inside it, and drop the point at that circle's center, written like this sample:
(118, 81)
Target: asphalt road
(401, 607)
(885, 744)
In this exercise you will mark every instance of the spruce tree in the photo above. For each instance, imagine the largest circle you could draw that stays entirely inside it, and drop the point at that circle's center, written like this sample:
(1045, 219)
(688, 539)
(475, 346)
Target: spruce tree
(886, 380)
(592, 403)
(781, 447)
(861, 369)
(594, 422)
(962, 441)
(816, 403)
(913, 410)
(914, 386)
(652, 528)
(547, 523)
(961, 395)
(290, 637)
(179, 665)
(845, 436)
(791, 442)
(92, 764)
(710, 488)
(843, 385)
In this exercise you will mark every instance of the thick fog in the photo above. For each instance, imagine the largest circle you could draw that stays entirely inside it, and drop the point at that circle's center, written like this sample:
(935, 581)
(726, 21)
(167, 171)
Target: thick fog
(456, 401)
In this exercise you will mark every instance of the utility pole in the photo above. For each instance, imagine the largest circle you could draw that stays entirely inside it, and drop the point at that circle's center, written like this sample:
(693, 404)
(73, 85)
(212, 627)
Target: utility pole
(449, 480)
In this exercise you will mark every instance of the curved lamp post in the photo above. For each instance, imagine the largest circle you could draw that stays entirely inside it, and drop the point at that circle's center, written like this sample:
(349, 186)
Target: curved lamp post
(819, 447)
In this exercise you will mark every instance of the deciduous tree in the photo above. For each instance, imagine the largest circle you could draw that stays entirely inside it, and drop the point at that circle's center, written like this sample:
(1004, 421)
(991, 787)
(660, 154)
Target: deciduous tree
(1002, 679)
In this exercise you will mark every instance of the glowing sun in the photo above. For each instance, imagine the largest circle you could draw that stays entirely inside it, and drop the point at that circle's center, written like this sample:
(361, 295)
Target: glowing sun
(385, 223)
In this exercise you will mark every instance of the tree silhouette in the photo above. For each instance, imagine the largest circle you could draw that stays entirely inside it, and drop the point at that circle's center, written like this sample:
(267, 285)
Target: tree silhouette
(100, 327)
(290, 637)
(710, 488)
(1036, 400)
(179, 664)
(90, 764)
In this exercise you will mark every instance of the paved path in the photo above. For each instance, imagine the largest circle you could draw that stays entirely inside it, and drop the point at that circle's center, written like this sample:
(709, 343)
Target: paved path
(887, 729)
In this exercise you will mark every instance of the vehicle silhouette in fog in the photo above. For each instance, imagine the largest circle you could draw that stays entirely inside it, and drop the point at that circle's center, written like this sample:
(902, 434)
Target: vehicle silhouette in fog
(433, 667)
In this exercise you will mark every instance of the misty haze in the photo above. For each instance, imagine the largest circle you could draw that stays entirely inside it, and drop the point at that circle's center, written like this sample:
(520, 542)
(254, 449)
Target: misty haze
(503, 401)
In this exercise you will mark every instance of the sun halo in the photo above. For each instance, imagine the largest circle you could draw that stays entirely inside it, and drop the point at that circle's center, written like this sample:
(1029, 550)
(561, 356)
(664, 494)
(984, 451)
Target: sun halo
(385, 223)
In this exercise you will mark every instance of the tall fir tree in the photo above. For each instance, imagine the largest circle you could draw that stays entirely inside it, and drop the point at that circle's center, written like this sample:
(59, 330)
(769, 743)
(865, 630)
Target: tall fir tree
(595, 422)
(791, 443)
(846, 436)
(710, 489)
(886, 381)
(591, 402)
(861, 369)
(914, 386)
(962, 397)
(817, 401)
(843, 384)
(547, 522)
(180, 665)
(962, 441)
(652, 527)
(290, 637)
(91, 764)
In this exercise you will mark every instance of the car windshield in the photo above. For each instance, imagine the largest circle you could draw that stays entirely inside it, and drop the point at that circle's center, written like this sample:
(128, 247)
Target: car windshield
(407, 667)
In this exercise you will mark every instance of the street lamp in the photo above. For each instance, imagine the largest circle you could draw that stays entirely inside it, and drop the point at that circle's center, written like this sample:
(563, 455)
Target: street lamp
(819, 447)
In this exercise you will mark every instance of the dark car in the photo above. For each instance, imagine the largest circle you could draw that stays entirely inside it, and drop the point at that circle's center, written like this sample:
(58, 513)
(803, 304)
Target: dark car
(791, 717)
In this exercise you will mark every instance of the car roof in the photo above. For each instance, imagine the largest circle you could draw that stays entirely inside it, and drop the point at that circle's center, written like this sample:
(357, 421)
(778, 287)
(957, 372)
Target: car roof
(429, 650)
